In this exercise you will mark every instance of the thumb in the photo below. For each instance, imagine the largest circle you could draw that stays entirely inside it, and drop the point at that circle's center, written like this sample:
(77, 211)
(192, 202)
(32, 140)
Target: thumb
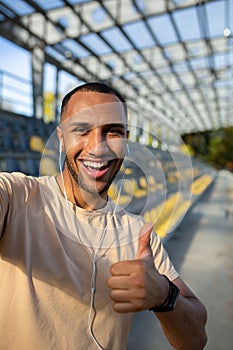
(144, 249)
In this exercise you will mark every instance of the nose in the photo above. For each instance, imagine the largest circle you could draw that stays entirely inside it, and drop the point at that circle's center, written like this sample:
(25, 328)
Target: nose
(97, 144)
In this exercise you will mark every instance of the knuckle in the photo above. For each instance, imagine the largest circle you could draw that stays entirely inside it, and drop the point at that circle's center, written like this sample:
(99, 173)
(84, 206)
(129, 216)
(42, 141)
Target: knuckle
(109, 282)
(112, 295)
(112, 269)
(141, 282)
(139, 279)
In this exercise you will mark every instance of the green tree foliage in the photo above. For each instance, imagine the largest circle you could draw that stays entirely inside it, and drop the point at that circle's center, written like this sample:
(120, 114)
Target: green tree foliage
(215, 147)
(220, 150)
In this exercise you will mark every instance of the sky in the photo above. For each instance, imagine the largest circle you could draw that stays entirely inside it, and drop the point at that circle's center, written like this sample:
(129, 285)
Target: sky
(16, 60)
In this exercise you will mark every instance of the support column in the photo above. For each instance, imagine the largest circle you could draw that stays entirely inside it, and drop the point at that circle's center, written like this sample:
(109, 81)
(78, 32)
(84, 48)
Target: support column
(38, 58)
(56, 106)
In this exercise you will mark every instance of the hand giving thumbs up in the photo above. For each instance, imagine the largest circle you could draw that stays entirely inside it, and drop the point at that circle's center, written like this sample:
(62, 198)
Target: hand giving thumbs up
(136, 284)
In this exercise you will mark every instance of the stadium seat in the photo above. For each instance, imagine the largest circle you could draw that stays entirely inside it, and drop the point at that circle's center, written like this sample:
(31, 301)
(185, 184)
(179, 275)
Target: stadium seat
(12, 165)
(50, 128)
(18, 124)
(36, 144)
(20, 141)
(3, 165)
(39, 128)
(23, 166)
(33, 166)
(123, 198)
(6, 141)
(48, 166)
(131, 186)
(148, 183)
(3, 125)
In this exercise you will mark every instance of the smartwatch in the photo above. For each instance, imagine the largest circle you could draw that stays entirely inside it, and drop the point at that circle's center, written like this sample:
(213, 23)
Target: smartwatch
(170, 302)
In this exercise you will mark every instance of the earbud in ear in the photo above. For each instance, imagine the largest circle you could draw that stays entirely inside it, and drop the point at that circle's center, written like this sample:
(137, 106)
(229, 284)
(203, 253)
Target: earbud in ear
(127, 148)
(60, 146)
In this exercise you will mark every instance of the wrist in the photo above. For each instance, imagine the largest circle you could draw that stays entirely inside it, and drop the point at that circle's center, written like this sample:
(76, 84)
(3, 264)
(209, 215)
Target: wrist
(170, 302)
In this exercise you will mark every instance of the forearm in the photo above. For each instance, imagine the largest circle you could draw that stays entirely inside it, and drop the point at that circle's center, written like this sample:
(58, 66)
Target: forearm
(184, 327)
(136, 285)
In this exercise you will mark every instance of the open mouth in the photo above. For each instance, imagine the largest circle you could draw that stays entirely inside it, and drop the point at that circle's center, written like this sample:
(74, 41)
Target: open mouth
(96, 168)
(95, 165)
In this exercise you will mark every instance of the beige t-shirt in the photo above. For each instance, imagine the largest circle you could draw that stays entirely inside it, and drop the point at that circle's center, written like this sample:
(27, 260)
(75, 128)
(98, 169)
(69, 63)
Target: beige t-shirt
(46, 264)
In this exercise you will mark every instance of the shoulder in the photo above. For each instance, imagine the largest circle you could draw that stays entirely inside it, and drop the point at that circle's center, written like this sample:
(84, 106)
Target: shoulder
(14, 193)
(19, 191)
(14, 177)
(11, 181)
(18, 185)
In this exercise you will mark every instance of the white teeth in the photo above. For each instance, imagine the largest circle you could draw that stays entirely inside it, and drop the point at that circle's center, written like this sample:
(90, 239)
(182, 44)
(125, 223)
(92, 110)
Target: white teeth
(95, 165)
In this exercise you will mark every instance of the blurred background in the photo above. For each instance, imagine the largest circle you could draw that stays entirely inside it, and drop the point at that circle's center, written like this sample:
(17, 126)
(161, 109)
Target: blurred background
(173, 62)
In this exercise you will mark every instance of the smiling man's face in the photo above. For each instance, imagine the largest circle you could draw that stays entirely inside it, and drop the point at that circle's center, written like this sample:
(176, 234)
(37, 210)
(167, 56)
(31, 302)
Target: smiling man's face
(94, 136)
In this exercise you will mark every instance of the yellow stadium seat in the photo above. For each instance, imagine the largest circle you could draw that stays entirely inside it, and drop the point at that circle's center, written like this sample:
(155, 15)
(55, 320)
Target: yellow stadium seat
(131, 186)
(146, 183)
(168, 214)
(48, 167)
(113, 193)
(200, 184)
(37, 144)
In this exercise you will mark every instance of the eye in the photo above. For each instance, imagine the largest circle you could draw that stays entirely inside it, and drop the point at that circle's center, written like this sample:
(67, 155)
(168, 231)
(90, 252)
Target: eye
(115, 131)
(80, 130)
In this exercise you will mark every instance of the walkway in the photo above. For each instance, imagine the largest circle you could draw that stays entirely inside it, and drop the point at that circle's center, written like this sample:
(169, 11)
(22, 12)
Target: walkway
(202, 251)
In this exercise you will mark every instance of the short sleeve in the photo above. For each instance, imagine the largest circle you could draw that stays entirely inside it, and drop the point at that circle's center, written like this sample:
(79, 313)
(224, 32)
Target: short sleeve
(161, 258)
(5, 191)
(13, 194)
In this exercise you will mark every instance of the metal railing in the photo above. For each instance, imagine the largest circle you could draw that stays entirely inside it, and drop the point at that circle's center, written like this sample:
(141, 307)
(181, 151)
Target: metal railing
(15, 93)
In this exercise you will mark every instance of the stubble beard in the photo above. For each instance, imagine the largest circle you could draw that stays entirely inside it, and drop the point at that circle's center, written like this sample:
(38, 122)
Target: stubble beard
(82, 183)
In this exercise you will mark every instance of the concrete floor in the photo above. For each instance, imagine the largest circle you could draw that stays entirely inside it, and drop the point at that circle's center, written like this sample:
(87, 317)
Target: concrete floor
(202, 251)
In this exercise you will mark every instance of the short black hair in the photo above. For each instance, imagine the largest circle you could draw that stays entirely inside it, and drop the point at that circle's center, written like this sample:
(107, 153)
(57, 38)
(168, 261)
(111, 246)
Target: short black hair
(96, 87)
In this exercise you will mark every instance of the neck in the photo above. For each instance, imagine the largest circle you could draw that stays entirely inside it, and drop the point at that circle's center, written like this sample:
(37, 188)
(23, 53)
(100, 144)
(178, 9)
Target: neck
(80, 197)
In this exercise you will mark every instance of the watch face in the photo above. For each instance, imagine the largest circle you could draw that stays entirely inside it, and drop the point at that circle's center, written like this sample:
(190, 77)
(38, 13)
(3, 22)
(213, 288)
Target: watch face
(174, 296)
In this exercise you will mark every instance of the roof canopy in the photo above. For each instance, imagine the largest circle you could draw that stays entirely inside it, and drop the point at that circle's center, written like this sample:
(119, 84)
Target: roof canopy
(174, 56)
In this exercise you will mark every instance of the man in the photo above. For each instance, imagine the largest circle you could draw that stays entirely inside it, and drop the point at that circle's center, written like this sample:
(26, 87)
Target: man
(74, 265)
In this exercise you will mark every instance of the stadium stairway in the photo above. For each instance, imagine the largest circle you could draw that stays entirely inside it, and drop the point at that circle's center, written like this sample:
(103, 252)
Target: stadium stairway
(201, 250)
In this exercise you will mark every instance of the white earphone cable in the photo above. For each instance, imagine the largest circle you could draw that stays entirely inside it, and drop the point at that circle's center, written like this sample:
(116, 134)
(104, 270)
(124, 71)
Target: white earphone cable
(62, 177)
(94, 258)
(93, 277)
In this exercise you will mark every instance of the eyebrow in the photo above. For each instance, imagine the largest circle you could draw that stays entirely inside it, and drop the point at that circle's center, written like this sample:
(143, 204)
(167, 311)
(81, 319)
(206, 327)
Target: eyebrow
(84, 124)
(117, 125)
(76, 123)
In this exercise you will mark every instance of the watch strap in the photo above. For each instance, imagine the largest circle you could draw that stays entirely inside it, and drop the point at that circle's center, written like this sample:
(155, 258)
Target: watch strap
(170, 302)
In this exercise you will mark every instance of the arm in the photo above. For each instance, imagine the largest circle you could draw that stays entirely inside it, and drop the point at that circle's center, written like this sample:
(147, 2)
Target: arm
(184, 327)
(137, 285)
(8, 196)
(4, 202)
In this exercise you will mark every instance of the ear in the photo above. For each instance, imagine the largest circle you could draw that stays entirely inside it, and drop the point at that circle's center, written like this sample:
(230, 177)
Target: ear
(60, 138)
